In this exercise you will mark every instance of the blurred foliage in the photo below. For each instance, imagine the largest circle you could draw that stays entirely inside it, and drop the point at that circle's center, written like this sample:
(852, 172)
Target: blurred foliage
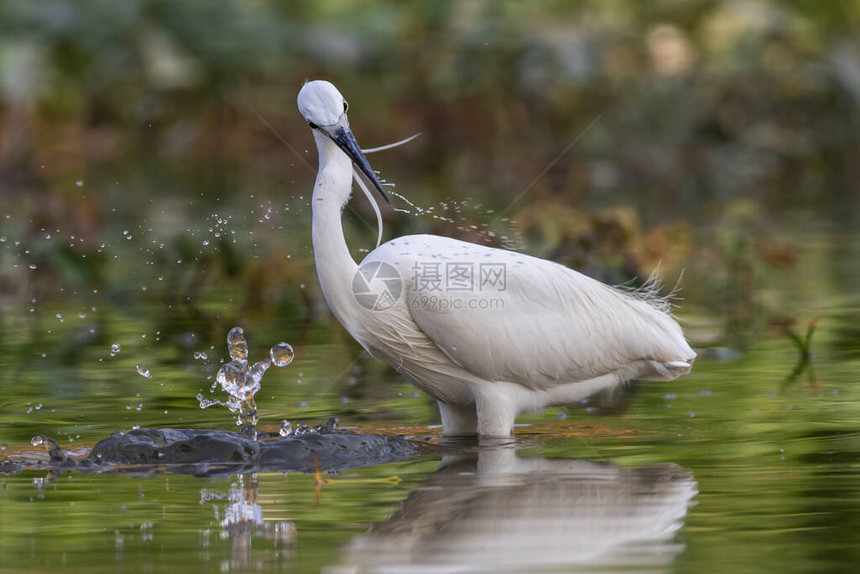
(143, 157)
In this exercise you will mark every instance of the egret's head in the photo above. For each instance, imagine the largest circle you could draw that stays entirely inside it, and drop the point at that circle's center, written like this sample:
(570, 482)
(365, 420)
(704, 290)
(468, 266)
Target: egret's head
(321, 104)
(324, 109)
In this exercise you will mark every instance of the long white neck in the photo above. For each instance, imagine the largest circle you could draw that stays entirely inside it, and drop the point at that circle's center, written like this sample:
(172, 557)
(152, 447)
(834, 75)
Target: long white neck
(335, 265)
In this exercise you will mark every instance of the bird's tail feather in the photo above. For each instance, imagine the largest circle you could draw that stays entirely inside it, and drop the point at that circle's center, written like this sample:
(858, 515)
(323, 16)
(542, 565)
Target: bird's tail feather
(650, 292)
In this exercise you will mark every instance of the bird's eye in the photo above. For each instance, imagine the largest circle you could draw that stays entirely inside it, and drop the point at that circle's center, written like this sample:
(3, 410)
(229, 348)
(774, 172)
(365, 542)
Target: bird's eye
(313, 125)
(345, 105)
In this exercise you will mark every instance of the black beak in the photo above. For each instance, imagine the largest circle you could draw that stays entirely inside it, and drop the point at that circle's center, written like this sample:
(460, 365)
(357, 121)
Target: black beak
(342, 136)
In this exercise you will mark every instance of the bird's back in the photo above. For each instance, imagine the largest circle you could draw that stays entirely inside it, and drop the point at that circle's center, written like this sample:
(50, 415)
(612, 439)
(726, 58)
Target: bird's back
(506, 316)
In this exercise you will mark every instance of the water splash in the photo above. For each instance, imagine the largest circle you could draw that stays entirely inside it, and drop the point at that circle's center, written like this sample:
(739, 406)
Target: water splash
(115, 349)
(143, 371)
(460, 214)
(242, 382)
(243, 521)
(329, 427)
(286, 428)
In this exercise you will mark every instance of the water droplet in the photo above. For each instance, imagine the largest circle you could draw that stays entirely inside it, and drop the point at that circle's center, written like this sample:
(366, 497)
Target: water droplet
(32, 266)
(206, 403)
(37, 440)
(143, 371)
(286, 428)
(200, 356)
(237, 345)
(135, 427)
(79, 183)
(282, 354)
(115, 349)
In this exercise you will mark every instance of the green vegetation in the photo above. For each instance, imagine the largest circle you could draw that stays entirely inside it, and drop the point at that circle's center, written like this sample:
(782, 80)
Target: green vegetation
(706, 134)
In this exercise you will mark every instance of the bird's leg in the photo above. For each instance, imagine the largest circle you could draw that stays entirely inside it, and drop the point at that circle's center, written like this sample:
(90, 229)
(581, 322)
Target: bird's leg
(458, 421)
(496, 413)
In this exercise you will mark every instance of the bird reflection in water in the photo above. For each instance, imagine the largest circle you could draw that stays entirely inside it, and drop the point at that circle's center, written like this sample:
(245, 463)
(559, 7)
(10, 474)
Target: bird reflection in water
(493, 511)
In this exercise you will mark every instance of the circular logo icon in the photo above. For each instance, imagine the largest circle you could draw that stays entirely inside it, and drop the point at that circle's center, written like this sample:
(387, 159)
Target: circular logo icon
(377, 285)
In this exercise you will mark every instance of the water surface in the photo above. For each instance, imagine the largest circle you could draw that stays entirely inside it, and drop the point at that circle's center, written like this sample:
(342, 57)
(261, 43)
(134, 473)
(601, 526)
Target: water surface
(743, 465)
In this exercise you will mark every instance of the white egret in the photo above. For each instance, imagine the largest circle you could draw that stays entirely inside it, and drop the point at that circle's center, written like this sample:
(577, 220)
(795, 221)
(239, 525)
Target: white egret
(488, 333)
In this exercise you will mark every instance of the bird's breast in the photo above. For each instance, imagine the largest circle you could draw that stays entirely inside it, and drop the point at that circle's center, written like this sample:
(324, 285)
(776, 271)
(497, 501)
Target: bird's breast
(393, 337)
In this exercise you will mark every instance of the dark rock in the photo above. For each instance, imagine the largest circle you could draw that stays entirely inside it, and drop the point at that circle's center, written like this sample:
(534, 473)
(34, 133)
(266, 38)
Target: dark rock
(214, 452)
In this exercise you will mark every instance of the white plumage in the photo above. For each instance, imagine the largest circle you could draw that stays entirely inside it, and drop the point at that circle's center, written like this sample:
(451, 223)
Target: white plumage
(488, 333)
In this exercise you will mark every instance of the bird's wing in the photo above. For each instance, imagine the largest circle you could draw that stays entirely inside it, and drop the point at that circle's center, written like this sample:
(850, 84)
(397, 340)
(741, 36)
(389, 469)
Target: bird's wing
(505, 316)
